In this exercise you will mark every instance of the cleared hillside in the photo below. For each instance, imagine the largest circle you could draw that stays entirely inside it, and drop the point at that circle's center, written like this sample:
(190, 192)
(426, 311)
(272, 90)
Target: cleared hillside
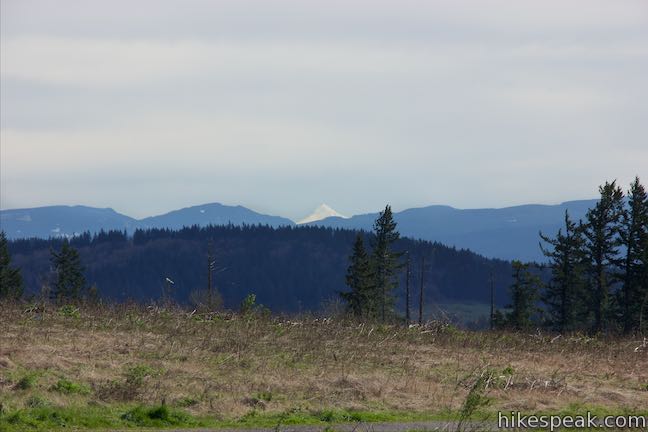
(113, 367)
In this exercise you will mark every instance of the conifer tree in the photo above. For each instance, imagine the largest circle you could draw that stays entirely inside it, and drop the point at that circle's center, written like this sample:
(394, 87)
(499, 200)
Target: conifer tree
(643, 309)
(524, 293)
(11, 283)
(70, 282)
(634, 237)
(385, 262)
(564, 294)
(642, 277)
(359, 300)
(602, 240)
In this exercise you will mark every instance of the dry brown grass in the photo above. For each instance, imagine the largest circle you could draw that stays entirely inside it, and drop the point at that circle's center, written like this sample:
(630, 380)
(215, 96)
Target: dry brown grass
(229, 365)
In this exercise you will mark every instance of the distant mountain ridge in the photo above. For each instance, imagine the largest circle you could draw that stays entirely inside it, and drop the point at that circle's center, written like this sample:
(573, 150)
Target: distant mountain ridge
(214, 214)
(505, 233)
(58, 221)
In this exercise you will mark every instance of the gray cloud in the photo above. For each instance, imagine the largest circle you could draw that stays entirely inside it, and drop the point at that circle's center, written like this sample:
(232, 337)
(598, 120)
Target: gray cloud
(147, 106)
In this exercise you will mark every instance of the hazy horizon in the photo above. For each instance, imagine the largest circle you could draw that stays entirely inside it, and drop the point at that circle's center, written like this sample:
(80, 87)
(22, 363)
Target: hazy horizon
(280, 106)
(296, 220)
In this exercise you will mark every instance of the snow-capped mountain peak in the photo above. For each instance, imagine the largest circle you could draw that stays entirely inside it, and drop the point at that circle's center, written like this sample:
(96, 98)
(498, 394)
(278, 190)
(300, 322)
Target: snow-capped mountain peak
(321, 212)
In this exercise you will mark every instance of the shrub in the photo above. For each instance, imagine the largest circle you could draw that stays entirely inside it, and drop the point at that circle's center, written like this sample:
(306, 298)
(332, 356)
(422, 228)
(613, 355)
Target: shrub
(325, 416)
(130, 388)
(476, 398)
(186, 402)
(69, 311)
(248, 304)
(264, 396)
(68, 387)
(26, 382)
(156, 416)
(36, 401)
(249, 307)
(137, 374)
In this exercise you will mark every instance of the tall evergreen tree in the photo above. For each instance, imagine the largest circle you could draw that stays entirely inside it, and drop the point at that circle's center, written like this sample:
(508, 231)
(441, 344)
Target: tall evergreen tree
(524, 294)
(634, 237)
(385, 262)
(359, 300)
(643, 309)
(11, 283)
(601, 248)
(564, 294)
(70, 282)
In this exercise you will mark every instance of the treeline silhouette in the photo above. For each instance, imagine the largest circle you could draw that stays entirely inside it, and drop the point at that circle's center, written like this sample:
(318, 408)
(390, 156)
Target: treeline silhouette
(290, 269)
(599, 267)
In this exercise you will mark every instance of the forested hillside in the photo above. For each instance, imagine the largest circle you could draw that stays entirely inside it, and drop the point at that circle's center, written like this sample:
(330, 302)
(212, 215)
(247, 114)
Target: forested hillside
(507, 233)
(288, 268)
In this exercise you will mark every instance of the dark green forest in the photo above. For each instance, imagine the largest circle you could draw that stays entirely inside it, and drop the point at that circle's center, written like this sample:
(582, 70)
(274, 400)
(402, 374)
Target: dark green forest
(290, 269)
(596, 279)
(599, 268)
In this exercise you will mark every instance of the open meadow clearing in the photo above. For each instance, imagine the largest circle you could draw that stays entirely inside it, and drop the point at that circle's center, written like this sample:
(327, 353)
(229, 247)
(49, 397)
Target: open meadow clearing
(127, 366)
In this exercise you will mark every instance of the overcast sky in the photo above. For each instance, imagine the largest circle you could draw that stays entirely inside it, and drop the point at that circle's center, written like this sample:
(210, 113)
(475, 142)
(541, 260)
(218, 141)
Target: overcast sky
(148, 106)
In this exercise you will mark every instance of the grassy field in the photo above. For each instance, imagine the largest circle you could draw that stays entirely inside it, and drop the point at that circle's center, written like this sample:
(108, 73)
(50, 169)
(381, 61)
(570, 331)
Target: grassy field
(120, 367)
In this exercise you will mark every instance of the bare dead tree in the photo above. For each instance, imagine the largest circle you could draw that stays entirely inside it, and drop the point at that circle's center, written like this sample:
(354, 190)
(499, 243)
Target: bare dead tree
(211, 262)
(492, 301)
(420, 317)
(408, 317)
